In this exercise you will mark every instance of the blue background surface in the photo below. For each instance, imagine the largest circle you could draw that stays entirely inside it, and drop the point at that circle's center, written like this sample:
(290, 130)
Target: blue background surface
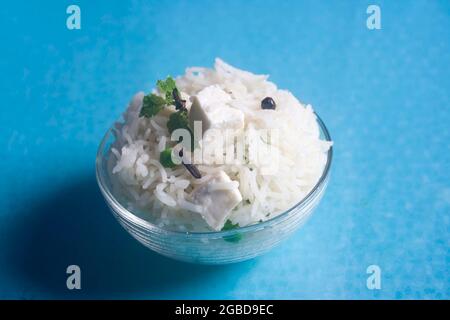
(384, 95)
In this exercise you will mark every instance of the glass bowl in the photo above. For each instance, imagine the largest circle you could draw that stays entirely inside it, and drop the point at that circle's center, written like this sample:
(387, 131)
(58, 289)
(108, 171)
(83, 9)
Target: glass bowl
(210, 247)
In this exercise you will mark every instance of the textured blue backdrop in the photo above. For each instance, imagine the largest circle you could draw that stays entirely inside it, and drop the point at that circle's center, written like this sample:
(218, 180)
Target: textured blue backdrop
(384, 95)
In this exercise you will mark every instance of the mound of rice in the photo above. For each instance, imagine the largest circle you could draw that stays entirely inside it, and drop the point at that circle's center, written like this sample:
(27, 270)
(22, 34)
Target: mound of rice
(163, 195)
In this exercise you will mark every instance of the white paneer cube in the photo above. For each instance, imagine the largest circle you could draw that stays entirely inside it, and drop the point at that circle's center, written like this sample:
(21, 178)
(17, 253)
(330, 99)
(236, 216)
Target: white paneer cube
(197, 113)
(211, 109)
(213, 96)
(217, 197)
(226, 118)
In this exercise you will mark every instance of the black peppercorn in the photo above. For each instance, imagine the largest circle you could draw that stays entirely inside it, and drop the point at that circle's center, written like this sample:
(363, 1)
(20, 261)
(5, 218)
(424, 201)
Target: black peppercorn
(268, 103)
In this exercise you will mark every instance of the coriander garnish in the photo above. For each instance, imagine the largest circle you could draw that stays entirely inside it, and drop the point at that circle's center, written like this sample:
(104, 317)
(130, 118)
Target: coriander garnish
(178, 120)
(166, 87)
(152, 104)
(229, 226)
(165, 157)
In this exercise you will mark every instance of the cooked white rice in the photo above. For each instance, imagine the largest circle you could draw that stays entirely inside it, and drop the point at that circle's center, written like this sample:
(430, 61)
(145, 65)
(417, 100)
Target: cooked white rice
(163, 195)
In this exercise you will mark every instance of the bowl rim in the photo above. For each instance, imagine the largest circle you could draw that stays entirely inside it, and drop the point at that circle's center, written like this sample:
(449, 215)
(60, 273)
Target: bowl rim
(131, 217)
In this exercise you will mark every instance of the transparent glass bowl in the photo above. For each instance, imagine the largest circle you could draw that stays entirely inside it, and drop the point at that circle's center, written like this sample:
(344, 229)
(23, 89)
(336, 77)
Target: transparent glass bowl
(210, 247)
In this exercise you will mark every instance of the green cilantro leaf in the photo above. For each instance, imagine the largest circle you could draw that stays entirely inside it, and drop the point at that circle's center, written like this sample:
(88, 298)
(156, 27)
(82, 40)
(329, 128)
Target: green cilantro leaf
(166, 87)
(178, 120)
(229, 226)
(165, 157)
(151, 105)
